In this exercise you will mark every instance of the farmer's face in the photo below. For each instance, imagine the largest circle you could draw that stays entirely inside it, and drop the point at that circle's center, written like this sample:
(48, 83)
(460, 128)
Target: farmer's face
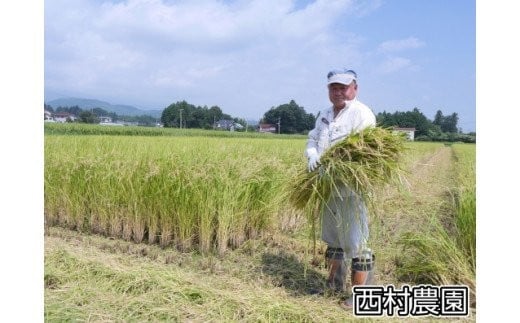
(339, 93)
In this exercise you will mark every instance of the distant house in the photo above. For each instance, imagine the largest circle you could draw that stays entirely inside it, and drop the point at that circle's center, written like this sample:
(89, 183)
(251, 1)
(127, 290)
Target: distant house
(63, 117)
(224, 124)
(47, 116)
(105, 120)
(228, 125)
(410, 132)
(267, 127)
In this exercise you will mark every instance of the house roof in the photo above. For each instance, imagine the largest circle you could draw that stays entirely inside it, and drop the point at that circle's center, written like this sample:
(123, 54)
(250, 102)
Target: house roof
(225, 123)
(62, 114)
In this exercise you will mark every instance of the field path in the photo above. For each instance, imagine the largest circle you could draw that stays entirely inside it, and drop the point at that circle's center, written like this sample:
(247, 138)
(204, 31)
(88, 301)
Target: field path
(427, 194)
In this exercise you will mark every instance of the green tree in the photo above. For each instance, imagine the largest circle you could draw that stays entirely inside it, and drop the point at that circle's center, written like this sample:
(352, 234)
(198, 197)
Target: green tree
(420, 122)
(74, 110)
(439, 118)
(214, 114)
(450, 123)
(291, 116)
(88, 117)
(385, 119)
(172, 115)
(192, 116)
(409, 119)
(103, 113)
(446, 123)
(242, 122)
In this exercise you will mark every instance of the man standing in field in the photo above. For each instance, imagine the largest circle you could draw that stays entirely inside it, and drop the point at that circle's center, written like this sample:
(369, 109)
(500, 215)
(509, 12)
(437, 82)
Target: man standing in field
(344, 218)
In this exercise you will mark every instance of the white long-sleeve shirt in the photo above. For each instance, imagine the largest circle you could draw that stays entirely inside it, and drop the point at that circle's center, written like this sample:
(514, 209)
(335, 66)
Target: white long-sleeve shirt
(345, 220)
(354, 117)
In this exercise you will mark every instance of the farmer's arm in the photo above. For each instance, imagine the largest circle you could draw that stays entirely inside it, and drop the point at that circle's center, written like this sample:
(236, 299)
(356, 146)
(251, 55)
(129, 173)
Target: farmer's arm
(364, 118)
(312, 142)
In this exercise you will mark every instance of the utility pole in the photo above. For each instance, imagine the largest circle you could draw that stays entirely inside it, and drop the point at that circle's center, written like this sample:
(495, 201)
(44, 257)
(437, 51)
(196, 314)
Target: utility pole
(279, 125)
(180, 122)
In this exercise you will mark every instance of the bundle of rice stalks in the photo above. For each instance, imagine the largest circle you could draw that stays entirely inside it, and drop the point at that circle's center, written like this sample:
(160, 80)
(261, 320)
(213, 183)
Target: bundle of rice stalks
(362, 161)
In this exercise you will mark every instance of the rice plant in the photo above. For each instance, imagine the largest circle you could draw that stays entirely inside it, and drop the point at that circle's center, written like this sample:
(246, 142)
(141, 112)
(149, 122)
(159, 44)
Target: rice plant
(96, 129)
(465, 201)
(189, 192)
(444, 251)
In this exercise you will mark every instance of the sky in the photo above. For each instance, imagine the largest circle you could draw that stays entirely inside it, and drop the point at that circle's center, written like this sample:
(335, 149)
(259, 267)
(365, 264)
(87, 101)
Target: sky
(249, 56)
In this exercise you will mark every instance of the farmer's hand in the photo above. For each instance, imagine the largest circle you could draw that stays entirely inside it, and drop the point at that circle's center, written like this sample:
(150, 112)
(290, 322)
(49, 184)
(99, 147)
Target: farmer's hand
(314, 159)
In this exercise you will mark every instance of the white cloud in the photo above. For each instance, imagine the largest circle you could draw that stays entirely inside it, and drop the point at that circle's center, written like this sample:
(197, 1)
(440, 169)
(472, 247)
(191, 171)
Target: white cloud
(394, 64)
(152, 52)
(242, 55)
(401, 44)
(364, 8)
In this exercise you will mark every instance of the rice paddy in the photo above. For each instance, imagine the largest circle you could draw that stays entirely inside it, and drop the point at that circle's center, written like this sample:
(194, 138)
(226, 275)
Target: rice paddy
(176, 227)
(190, 192)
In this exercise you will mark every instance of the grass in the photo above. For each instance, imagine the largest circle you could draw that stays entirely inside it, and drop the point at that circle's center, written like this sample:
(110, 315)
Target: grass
(91, 278)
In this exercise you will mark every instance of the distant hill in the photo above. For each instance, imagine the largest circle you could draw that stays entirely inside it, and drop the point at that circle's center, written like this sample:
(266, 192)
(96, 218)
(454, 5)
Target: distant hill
(119, 109)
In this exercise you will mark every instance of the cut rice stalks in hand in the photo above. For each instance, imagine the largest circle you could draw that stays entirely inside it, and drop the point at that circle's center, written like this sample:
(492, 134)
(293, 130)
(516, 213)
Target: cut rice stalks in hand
(363, 161)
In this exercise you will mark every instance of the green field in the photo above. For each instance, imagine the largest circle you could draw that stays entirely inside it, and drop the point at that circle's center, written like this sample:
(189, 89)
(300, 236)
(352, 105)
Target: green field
(149, 224)
(191, 191)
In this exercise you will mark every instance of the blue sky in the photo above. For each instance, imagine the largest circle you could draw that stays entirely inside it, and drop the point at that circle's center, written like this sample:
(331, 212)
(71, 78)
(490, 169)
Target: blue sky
(248, 56)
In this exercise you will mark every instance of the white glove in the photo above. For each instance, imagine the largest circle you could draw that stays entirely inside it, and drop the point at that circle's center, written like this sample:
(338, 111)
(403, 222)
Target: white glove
(314, 158)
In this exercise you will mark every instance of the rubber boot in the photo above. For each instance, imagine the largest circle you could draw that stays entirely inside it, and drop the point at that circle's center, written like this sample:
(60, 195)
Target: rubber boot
(337, 269)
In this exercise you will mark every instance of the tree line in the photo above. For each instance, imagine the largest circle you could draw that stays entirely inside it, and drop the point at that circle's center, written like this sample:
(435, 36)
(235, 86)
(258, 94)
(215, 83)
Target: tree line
(292, 118)
(442, 128)
(288, 118)
(185, 115)
(93, 115)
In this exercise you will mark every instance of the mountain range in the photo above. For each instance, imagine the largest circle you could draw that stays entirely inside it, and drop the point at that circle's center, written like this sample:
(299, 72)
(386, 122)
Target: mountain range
(119, 109)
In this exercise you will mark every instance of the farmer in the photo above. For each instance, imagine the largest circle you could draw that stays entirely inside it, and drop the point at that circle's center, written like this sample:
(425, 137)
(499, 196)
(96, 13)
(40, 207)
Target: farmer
(344, 218)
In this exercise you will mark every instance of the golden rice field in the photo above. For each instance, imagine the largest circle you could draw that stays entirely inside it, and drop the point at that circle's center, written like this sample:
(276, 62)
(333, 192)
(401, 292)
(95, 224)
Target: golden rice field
(192, 192)
(168, 196)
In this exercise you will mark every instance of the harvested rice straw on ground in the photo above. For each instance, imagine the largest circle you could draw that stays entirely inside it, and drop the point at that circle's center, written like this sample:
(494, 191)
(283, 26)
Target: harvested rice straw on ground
(362, 161)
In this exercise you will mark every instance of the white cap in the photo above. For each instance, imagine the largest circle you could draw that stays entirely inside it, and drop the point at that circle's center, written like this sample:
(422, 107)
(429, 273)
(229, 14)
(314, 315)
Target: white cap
(343, 77)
